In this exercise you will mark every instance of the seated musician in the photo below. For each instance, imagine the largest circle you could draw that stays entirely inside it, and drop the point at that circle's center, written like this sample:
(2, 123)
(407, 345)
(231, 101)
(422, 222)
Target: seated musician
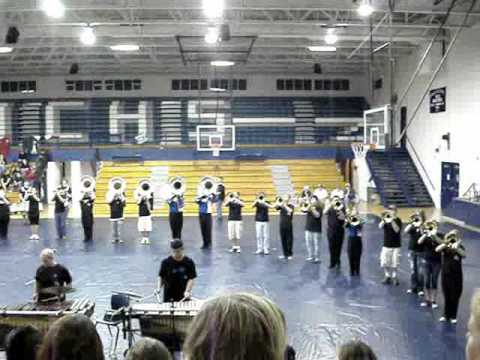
(52, 280)
(176, 275)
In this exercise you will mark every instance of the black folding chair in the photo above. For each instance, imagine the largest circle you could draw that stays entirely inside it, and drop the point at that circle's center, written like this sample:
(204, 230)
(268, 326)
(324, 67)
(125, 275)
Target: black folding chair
(113, 318)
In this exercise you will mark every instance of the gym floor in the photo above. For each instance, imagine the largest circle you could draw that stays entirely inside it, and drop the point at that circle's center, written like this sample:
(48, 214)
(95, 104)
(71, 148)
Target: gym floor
(323, 308)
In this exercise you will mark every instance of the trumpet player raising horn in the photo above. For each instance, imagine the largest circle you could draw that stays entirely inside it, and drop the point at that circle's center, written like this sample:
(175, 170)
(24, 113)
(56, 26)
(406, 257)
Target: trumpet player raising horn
(335, 211)
(235, 205)
(392, 242)
(313, 209)
(432, 261)
(286, 209)
(261, 224)
(415, 253)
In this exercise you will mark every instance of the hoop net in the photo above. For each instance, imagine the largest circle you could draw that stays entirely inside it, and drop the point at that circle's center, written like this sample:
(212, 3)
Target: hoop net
(360, 150)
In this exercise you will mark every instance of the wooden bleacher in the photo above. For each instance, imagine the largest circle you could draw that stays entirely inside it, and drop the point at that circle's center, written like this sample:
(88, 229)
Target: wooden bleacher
(246, 177)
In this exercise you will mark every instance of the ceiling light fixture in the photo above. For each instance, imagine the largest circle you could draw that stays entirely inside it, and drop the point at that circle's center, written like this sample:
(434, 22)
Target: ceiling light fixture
(125, 47)
(214, 89)
(53, 8)
(222, 63)
(322, 48)
(331, 38)
(365, 9)
(5, 49)
(212, 36)
(88, 36)
(213, 8)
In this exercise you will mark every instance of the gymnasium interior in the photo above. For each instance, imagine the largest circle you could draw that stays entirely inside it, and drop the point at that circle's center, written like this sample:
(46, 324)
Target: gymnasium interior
(263, 97)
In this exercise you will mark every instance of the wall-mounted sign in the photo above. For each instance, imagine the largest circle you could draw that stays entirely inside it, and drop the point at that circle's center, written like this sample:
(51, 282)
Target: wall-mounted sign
(438, 100)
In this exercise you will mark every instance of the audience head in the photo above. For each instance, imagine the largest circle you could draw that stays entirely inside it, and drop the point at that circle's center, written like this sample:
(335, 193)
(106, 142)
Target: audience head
(237, 327)
(22, 343)
(148, 349)
(47, 257)
(355, 350)
(73, 337)
(473, 337)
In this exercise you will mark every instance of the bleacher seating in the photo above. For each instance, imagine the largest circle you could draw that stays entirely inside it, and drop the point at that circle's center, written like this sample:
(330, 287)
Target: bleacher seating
(258, 107)
(247, 177)
(341, 107)
(173, 120)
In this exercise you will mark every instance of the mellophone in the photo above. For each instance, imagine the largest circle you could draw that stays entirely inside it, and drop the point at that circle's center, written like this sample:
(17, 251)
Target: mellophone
(168, 322)
(41, 316)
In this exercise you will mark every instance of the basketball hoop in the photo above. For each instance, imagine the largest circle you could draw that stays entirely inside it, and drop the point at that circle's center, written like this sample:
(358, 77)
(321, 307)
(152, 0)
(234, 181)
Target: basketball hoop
(216, 149)
(360, 149)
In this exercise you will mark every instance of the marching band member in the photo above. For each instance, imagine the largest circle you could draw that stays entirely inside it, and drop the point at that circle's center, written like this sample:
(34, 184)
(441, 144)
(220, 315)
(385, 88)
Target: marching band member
(24, 189)
(52, 280)
(335, 211)
(262, 206)
(431, 262)
(452, 274)
(205, 217)
(175, 215)
(312, 207)
(392, 242)
(354, 226)
(144, 198)
(116, 200)
(350, 197)
(33, 211)
(5, 180)
(220, 198)
(235, 205)
(321, 193)
(286, 209)
(62, 202)
(176, 275)
(306, 192)
(4, 214)
(86, 207)
(414, 230)
(65, 186)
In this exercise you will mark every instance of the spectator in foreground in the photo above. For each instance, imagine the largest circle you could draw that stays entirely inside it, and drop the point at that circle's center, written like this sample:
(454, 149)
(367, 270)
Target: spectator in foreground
(355, 350)
(148, 349)
(237, 327)
(73, 337)
(22, 343)
(473, 335)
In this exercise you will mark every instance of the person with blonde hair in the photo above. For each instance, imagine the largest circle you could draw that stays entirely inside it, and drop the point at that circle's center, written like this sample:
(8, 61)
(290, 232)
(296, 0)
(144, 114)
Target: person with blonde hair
(355, 350)
(237, 326)
(473, 336)
(148, 349)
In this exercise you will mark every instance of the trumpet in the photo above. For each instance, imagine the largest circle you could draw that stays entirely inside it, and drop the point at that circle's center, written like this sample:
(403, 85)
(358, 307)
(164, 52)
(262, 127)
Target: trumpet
(337, 205)
(306, 204)
(416, 219)
(451, 238)
(353, 219)
(261, 197)
(279, 201)
(387, 216)
(430, 227)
